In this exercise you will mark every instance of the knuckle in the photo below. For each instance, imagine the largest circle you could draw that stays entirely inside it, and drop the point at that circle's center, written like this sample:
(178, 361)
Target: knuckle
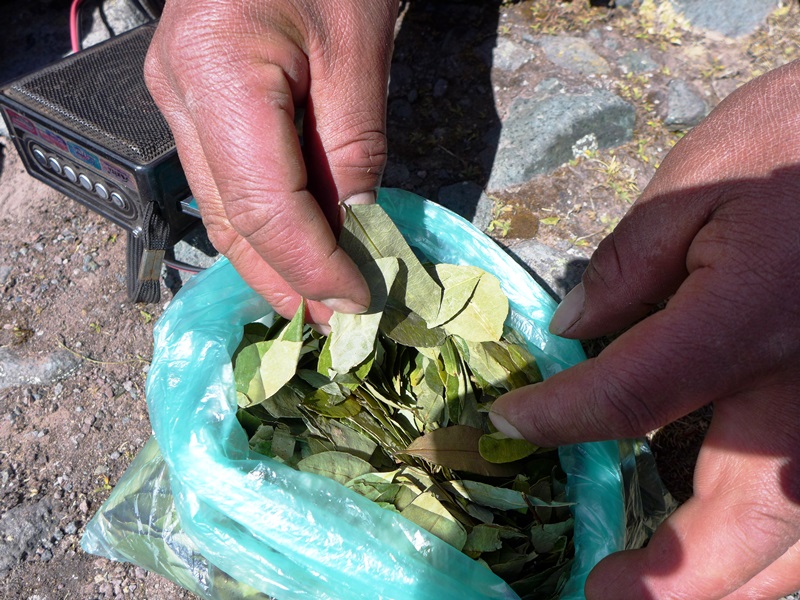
(605, 267)
(220, 234)
(250, 216)
(274, 234)
(362, 157)
(627, 406)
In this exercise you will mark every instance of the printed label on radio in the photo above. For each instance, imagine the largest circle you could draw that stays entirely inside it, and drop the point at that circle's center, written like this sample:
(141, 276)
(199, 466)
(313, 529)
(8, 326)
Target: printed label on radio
(83, 154)
(53, 138)
(120, 175)
(21, 121)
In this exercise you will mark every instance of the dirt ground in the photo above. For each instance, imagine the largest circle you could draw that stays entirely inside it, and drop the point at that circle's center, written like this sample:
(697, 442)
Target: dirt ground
(75, 418)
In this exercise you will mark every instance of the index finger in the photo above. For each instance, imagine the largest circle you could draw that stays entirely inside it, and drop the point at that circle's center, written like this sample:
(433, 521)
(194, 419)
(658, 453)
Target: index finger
(254, 156)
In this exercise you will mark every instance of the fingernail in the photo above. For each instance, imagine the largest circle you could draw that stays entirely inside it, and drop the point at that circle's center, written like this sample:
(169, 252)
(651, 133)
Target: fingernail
(360, 198)
(344, 305)
(569, 311)
(504, 427)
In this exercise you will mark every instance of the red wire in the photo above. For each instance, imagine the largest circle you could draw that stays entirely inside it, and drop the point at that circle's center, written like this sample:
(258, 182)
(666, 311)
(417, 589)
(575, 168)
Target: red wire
(73, 25)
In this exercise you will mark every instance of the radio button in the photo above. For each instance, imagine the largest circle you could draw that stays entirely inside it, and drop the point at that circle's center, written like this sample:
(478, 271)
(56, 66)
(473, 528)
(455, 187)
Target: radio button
(53, 163)
(101, 191)
(118, 201)
(39, 156)
(85, 182)
(70, 174)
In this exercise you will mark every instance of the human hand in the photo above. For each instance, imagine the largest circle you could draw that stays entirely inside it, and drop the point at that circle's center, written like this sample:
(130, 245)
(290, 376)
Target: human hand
(717, 232)
(228, 76)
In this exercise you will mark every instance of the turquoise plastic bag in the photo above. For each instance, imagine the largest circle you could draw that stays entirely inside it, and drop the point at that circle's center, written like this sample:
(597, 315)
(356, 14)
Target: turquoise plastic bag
(294, 535)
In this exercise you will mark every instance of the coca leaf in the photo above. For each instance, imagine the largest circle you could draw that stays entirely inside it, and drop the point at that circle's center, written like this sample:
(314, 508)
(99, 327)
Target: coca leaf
(263, 368)
(458, 284)
(339, 466)
(352, 337)
(369, 234)
(410, 329)
(499, 448)
(427, 512)
(456, 447)
(483, 317)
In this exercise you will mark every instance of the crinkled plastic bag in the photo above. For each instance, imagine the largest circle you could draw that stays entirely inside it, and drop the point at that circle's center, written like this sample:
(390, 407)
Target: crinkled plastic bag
(295, 535)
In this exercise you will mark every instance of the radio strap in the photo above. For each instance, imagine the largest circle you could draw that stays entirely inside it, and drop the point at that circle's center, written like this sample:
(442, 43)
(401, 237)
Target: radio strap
(145, 255)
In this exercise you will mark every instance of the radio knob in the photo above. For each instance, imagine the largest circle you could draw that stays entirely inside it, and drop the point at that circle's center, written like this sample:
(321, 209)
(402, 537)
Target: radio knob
(101, 191)
(53, 163)
(40, 156)
(70, 173)
(118, 200)
(85, 182)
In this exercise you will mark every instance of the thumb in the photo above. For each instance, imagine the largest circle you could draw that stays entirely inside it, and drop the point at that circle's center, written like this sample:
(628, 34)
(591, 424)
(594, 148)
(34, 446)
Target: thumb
(637, 266)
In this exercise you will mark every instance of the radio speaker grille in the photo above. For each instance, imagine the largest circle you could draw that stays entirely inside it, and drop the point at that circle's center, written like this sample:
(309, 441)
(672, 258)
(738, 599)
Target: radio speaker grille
(100, 94)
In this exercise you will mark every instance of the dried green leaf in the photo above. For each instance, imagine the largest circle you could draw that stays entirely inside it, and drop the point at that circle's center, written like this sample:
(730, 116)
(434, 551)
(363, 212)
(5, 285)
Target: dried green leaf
(346, 439)
(261, 440)
(458, 284)
(427, 512)
(429, 403)
(251, 334)
(284, 403)
(544, 537)
(328, 406)
(488, 538)
(483, 317)
(497, 497)
(283, 444)
(263, 368)
(339, 466)
(410, 329)
(406, 495)
(456, 447)
(369, 234)
(499, 448)
(375, 487)
(352, 338)
(509, 563)
(542, 583)
(481, 513)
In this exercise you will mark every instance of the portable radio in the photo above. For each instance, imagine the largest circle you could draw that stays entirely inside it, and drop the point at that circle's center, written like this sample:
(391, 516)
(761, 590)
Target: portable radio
(88, 127)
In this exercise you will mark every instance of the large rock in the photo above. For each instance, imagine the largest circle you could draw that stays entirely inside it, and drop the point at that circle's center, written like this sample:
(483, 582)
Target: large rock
(548, 130)
(505, 54)
(556, 272)
(574, 54)
(732, 18)
(686, 108)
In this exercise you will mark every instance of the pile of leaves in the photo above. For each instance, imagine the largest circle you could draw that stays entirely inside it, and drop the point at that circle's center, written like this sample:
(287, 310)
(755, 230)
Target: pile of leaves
(394, 403)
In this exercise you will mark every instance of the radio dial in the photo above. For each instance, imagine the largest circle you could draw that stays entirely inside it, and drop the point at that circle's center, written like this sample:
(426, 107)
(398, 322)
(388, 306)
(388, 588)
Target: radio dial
(40, 156)
(70, 174)
(53, 163)
(101, 191)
